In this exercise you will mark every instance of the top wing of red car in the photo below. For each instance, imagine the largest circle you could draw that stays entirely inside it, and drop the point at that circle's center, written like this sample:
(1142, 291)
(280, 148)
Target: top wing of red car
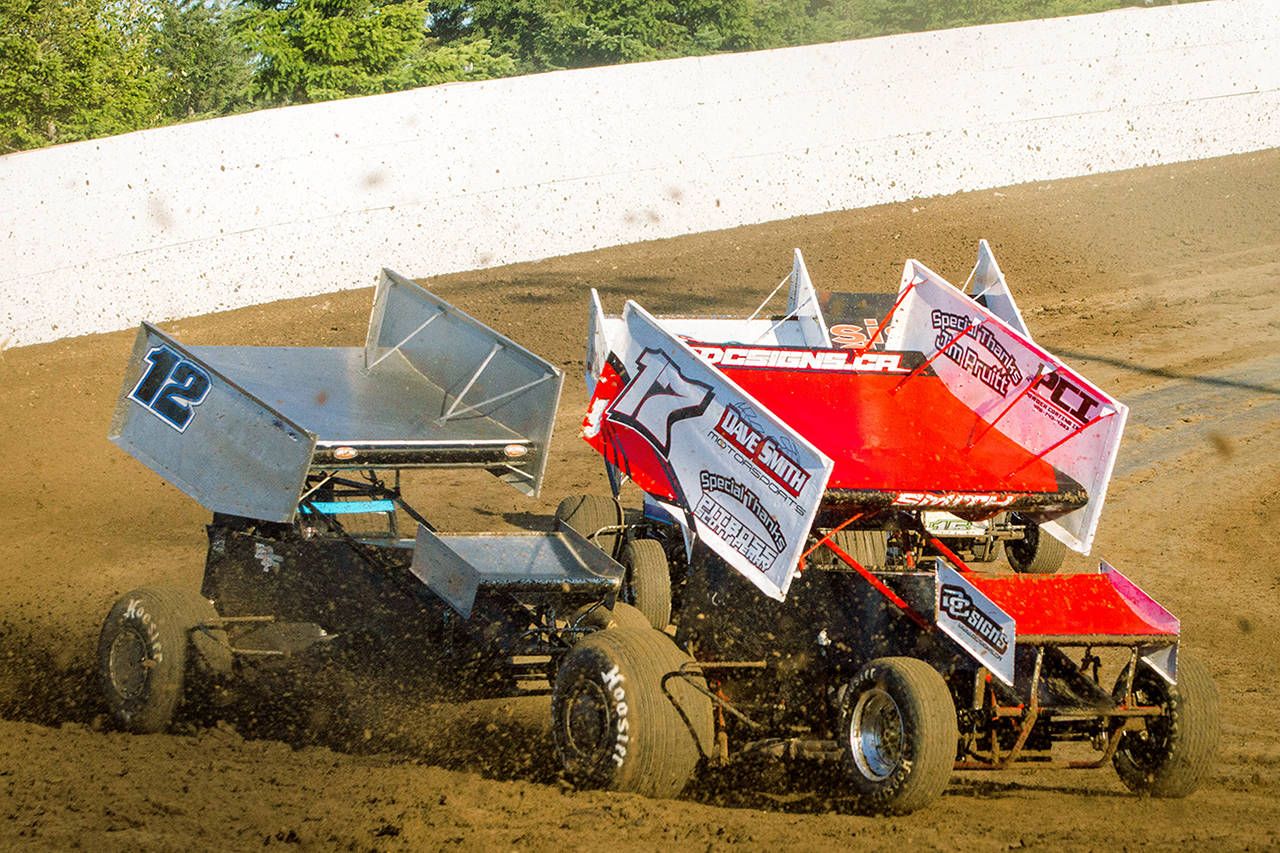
(943, 401)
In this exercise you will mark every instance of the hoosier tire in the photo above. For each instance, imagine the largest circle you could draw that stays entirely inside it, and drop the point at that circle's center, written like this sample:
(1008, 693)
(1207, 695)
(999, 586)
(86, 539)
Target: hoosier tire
(898, 727)
(146, 649)
(1172, 756)
(592, 514)
(648, 580)
(1036, 553)
(621, 721)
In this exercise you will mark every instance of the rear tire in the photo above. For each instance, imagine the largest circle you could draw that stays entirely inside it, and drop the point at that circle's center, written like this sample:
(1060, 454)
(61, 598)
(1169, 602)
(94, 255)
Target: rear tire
(621, 721)
(1037, 552)
(145, 651)
(898, 726)
(648, 586)
(602, 618)
(591, 514)
(1176, 751)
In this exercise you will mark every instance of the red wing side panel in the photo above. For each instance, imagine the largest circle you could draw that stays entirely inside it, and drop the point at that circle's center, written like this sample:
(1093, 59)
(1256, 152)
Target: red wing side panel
(1024, 392)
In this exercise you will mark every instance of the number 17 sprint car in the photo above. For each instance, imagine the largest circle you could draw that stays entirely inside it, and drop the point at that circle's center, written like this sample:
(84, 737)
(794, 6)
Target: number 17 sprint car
(810, 481)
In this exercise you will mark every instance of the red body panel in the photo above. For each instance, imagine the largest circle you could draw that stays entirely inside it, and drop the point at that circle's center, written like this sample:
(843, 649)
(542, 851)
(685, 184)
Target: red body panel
(912, 440)
(1070, 605)
(626, 449)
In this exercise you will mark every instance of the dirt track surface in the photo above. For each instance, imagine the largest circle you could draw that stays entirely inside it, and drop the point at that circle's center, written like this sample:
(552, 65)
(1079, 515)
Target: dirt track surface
(1161, 285)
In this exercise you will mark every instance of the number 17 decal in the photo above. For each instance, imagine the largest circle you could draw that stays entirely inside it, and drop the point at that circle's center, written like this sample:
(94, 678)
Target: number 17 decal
(171, 388)
(658, 397)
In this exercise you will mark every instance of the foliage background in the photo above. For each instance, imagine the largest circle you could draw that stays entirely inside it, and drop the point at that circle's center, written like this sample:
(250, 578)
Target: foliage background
(79, 69)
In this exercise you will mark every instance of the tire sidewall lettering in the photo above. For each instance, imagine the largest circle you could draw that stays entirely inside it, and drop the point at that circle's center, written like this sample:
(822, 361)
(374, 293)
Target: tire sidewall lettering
(616, 726)
(615, 689)
(138, 620)
(137, 614)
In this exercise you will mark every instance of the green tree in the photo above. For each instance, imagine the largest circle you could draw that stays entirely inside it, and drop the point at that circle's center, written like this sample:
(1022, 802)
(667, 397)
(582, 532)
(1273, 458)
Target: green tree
(550, 34)
(836, 20)
(893, 16)
(314, 50)
(204, 65)
(434, 63)
(74, 69)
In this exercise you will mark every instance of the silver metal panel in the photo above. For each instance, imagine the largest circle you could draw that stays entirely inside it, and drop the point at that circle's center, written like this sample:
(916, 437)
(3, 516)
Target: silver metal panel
(433, 388)
(515, 556)
(804, 306)
(1163, 659)
(991, 290)
(328, 390)
(594, 560)
(481, 374)
(456, 566)
(231, 452)
(444, 572)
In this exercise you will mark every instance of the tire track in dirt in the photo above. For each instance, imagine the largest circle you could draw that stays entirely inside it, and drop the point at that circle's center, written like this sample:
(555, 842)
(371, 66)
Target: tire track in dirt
(1216, 409)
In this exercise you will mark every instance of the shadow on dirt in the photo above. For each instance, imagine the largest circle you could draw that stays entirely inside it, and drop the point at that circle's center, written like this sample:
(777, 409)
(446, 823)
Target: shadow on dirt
(522, 520)
(659, 296)
(993, 789)
(1250, 378)
(794, 787)
(655, 292)
(816, 788)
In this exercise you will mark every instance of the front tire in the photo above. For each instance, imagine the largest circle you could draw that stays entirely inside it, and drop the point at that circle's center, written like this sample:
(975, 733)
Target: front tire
(1175, 752)
(597, 517)
(144, 651)
(1037, 552)
(622, 721)
(898, 726)
(648, 586)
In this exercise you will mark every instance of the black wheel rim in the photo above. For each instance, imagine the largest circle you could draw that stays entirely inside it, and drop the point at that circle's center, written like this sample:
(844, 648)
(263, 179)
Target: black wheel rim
(1147, 749)
(129, 664)
(1024, 550)
(586, 720)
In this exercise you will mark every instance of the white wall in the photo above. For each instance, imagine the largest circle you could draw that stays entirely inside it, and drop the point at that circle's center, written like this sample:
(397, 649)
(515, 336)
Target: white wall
(98, 235)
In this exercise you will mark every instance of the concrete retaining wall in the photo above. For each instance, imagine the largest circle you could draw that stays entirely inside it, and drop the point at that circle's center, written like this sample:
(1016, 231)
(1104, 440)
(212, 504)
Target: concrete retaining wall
(201, 217)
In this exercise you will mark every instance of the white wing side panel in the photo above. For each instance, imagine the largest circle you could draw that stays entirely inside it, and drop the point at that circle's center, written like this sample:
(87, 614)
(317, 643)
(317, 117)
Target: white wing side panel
(803, 307)
(992, 291)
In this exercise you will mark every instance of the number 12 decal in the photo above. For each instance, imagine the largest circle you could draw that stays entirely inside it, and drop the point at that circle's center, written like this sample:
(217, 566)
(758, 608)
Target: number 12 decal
(171, 388)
